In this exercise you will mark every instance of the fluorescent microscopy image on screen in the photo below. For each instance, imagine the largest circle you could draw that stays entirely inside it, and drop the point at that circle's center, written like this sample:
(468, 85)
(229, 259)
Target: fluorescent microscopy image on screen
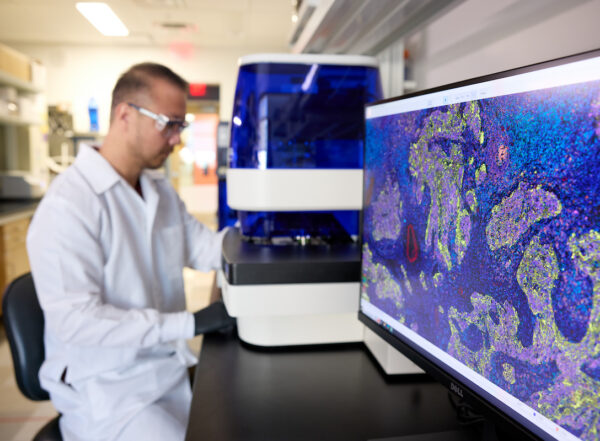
(482, 235)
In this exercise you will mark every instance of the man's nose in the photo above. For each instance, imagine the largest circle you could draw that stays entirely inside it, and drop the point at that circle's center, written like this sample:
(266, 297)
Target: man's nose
(175, 138)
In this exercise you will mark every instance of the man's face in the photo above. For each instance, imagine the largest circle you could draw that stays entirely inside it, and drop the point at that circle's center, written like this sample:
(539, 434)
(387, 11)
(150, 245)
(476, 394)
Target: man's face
(150, 146)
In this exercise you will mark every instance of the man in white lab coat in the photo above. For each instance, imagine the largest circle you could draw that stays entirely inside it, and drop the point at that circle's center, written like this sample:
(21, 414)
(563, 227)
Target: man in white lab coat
(107, 246)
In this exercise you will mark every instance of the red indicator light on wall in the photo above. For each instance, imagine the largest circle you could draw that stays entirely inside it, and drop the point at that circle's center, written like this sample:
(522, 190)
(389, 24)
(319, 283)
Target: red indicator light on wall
(197, 89)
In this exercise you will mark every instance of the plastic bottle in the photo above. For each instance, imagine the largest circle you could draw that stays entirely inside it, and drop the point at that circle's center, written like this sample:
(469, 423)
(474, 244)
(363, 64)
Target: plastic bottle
(408, 66)
(93, 112)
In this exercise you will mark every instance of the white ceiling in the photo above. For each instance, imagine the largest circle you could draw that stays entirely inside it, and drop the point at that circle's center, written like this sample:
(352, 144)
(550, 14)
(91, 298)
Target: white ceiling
(244, 24)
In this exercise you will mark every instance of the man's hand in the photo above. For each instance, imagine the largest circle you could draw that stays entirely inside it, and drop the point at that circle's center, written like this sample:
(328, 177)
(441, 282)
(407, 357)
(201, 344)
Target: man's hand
(213, 318)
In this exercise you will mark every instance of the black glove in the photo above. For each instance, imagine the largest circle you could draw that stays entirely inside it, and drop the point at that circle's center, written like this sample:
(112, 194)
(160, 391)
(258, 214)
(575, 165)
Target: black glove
(213, 318)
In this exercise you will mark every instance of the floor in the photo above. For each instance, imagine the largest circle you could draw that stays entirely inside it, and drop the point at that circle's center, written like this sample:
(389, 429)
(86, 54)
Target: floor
(20, 418)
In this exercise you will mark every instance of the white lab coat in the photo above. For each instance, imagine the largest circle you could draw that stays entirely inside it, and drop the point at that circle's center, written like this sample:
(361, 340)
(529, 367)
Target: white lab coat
(107, 266)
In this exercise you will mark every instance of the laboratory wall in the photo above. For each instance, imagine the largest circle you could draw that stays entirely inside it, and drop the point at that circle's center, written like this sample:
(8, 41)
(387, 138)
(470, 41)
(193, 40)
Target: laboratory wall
(480, 37)
(475, 38)
(392, 70)
(77, 73)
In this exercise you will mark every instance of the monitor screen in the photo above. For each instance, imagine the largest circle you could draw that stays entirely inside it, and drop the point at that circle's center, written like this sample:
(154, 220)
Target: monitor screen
(481, 240)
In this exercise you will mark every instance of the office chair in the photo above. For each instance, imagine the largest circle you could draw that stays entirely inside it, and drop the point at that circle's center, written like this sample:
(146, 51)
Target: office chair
(24, 324)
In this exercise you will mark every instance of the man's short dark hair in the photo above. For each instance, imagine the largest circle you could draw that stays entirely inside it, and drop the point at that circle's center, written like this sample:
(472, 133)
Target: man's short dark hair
(138, 79)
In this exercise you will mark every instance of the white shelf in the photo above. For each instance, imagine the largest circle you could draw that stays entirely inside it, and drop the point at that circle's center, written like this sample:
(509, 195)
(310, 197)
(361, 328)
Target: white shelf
(410, 85)
(23, 145)
(17, 120)
(25, 86)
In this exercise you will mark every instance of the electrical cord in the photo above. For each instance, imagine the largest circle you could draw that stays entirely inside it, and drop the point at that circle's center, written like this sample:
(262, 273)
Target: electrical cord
(464, 412)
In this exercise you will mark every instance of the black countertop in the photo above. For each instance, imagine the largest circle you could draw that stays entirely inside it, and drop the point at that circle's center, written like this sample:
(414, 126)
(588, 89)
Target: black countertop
(13, 206)
(327, 392)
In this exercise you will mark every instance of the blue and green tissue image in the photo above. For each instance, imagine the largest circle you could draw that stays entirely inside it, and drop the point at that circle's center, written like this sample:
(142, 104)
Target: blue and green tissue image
(481, 233)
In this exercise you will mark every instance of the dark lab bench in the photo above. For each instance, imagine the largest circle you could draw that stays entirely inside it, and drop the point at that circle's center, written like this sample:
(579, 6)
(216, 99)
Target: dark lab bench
(327, 392)
(18, 206)
(14, 222)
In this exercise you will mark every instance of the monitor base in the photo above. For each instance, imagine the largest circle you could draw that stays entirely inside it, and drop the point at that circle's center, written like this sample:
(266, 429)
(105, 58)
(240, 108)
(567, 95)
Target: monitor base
(389, 358)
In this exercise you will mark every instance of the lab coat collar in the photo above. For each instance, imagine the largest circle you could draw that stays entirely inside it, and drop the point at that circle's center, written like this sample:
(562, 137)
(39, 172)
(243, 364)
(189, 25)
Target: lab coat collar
(150, 195)
(101, 175)
(96, 170)
(149, 187)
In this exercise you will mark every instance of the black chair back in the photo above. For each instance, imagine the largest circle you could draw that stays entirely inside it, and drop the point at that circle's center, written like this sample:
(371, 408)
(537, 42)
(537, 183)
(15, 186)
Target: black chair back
(24, 324)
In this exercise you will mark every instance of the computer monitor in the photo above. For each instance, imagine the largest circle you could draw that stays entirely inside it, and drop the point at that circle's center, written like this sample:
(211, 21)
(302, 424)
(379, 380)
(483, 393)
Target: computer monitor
(481, 240)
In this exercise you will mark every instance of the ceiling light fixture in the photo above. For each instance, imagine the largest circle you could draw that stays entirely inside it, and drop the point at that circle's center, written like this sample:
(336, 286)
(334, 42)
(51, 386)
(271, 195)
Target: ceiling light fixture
(102, 17)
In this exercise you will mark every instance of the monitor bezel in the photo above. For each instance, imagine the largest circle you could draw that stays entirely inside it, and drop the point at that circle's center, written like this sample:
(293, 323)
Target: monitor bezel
(511, 420)
(493, 76)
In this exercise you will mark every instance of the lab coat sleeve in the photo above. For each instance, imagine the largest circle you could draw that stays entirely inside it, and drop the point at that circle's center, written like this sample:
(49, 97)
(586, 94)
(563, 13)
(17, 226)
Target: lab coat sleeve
(203, 245)
(67, 265)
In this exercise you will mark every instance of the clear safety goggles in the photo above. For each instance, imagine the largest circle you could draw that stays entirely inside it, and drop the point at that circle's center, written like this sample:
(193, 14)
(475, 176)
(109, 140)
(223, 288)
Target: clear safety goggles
(162, 122)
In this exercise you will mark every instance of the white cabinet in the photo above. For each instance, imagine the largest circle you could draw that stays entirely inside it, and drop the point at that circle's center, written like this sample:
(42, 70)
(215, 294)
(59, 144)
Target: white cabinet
(23, 144)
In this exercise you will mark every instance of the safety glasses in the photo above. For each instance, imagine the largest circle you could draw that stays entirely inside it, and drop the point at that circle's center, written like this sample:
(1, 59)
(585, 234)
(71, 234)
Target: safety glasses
(162, 122)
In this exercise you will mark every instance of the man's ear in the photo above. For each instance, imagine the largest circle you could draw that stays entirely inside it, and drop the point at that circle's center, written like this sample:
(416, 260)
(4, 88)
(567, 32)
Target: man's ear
(122, 113)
